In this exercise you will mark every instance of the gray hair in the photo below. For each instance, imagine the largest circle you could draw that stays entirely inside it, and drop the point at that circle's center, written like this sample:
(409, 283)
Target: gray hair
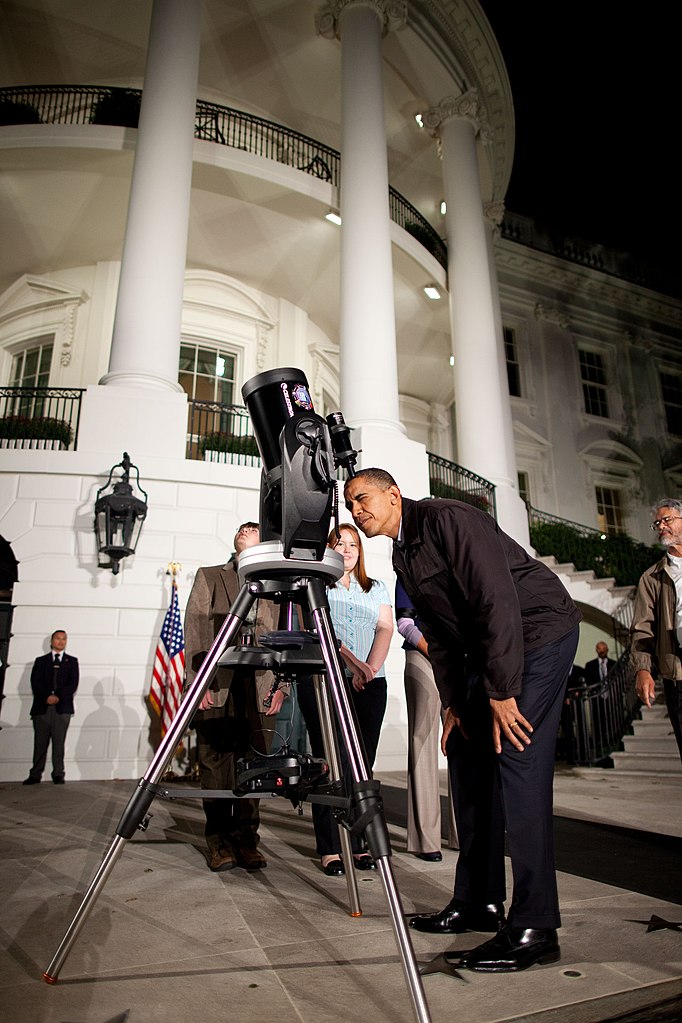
(668, 502)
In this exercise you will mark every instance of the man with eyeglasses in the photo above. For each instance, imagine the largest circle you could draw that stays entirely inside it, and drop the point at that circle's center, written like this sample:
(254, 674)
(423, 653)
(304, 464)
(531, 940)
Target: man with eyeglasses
(656, 631)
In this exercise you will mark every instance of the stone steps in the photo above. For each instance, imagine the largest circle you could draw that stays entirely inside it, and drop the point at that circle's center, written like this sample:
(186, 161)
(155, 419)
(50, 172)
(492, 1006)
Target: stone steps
(659, 764)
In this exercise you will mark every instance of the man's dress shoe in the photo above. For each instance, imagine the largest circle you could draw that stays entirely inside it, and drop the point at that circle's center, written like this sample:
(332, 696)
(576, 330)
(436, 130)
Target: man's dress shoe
(512, 949)
(460, 916)
(432, 857)
(31, 781)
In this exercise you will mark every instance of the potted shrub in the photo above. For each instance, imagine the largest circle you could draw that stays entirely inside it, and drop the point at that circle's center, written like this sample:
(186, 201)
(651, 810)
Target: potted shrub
(28, 432)
(216, 446)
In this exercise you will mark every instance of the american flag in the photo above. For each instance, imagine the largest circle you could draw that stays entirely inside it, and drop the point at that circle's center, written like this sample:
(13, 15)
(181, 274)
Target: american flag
(169, 666)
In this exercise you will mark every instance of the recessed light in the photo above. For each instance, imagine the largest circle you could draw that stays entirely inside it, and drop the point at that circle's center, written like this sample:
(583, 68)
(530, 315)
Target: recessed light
(432, 292)
(334, 217)
(419, 119)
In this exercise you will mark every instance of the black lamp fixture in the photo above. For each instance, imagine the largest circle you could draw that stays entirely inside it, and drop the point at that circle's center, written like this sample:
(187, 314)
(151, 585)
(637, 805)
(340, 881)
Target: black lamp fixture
(119, 515)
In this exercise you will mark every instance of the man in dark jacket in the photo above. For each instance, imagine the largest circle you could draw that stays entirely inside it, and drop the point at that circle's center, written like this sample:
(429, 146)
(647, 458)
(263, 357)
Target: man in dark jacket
(54, 680)
(502, 634)
(598, 668)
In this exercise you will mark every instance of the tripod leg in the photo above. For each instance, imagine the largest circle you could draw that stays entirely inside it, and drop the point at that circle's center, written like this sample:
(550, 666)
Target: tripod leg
(367, 791)
(135, 814)
(331, 748)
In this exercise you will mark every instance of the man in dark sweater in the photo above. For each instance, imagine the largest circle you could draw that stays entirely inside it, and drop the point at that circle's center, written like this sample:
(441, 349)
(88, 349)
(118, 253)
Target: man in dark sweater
(54, 680)
(502, 634)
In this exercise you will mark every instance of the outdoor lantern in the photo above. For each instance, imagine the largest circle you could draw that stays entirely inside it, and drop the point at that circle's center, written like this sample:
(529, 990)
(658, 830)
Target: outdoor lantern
(119, 515)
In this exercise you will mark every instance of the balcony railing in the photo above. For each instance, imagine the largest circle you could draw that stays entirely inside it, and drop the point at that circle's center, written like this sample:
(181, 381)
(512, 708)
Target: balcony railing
(56, 104)
(221, 433)
(447, 479)
(596, 717)
(40, 417)
(610, 556)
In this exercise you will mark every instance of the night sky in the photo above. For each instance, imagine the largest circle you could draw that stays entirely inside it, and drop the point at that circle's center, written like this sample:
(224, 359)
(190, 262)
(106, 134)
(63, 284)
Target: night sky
(596, 89)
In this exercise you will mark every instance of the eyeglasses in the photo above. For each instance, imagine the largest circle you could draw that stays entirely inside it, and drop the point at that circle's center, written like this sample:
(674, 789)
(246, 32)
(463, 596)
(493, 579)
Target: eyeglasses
(657, 523)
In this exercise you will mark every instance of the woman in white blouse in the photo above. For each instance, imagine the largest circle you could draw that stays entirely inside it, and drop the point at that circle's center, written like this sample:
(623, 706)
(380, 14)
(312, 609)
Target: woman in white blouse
(362, 617)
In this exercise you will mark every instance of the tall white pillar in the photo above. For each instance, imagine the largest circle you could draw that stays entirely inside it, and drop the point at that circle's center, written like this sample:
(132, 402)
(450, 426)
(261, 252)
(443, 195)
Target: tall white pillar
(368, 358)
(146, 341)
(485, 439)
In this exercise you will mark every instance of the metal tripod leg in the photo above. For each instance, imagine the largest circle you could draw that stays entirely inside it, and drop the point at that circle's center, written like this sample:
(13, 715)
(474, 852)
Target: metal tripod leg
(135, 816)
(331, 748)
(366, 792)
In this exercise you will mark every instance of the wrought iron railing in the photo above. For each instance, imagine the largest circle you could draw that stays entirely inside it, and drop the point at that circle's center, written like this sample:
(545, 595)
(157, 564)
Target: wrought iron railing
(596, 717)
(40, 417)
(56, 104)
(610, 556)
(447, 479)
(217, 432)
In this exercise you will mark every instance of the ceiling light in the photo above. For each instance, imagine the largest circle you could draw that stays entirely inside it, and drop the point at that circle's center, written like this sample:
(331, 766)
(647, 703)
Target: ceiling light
(452, 360)
(432, 292)
(334, 217)
(443, 207)
(419, 119)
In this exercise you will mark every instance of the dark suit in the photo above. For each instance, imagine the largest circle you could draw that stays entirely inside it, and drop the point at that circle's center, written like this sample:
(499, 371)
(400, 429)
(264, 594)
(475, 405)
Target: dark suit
(592, 670)
(51, 721)
(498, 624)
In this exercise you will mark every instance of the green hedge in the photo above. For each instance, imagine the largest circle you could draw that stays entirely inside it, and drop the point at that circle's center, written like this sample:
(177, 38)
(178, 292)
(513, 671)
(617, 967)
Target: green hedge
(237, 445)
(440, 489)
(616, 557)
(41, 428)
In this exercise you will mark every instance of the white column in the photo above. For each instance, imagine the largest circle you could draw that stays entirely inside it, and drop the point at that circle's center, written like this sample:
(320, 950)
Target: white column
(485, 438)
(368, 358)
(146, 341)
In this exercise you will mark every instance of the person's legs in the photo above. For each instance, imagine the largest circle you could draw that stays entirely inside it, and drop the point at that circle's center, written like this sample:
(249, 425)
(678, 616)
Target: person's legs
(326, 828)
(60, 725)
(423, 733)
(530, 936)
(672, 691)
(527, 779)
(215, 768)
(370, 707)
(42, 729)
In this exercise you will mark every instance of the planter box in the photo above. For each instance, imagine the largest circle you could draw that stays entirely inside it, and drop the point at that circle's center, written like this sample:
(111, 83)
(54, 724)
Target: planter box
(231, 458)
(31, 444)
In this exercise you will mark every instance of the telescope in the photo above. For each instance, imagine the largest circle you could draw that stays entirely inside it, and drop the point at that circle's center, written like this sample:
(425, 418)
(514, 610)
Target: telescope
(301, 453)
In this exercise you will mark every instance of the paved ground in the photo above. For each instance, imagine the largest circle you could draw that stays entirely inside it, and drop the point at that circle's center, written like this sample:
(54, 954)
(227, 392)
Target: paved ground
(168, 940)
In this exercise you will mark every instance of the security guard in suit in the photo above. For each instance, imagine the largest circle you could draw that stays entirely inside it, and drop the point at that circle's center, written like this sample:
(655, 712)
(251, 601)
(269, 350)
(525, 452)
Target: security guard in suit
(54, 680)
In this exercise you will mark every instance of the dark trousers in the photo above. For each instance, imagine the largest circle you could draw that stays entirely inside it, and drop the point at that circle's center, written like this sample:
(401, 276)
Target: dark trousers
(672, 691)
(224, 734)
(511, 790)
(49, 727)
(370, 707)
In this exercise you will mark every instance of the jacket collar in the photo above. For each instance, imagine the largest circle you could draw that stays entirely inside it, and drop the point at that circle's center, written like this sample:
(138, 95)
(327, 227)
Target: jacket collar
(412, 524)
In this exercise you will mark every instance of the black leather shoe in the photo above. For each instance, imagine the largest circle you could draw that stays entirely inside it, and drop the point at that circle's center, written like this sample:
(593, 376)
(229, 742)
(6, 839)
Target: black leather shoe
(364, 862)
(512, 949)
(31, 781)
(459, 916)
(334, 868)
(58, 781)
(434, 857)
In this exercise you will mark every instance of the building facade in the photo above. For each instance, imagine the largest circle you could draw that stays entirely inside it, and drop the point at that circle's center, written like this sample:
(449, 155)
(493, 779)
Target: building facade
(167, 173)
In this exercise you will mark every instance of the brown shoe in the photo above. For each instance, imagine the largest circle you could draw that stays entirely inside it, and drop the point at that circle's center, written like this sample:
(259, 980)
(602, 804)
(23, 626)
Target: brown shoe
(222, 859)
(249, 858)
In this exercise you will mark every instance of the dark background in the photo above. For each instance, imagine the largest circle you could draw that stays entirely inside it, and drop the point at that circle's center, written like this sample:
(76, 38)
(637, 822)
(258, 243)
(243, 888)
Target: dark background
(595, 89)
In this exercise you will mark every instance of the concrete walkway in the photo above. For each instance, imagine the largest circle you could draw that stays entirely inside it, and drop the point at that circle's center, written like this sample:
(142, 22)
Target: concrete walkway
(168, 940)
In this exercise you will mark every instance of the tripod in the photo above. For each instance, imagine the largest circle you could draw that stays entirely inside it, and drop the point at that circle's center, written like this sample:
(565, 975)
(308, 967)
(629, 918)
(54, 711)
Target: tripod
(268, 574)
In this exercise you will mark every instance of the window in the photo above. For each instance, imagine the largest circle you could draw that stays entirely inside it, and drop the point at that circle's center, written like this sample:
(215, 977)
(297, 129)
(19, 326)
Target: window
(31, 366)
(671, 390)
(207, 374)
(593, 376)
(524, 486)
(609, 512)
(513, 368)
